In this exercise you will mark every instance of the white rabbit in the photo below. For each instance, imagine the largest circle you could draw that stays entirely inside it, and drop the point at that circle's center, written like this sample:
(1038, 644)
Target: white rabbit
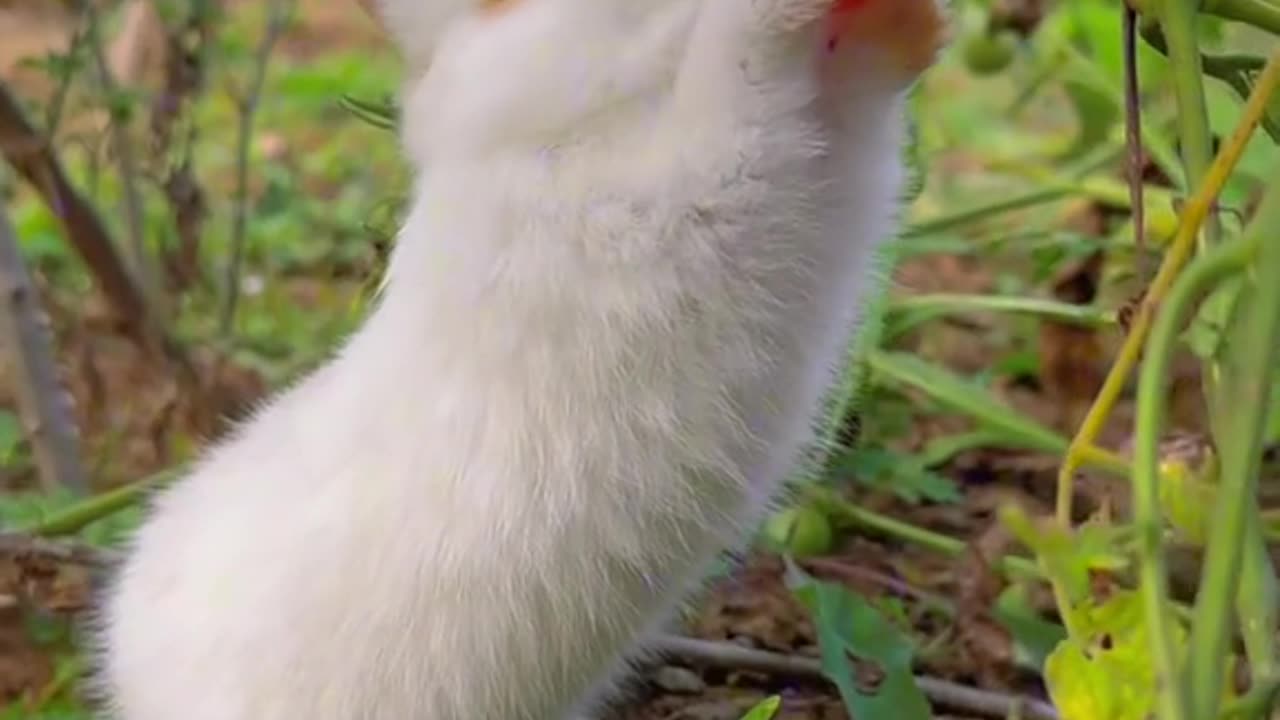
(640, 235)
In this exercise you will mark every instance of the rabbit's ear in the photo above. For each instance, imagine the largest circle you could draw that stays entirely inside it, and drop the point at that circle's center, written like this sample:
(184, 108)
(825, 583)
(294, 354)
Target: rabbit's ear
(417, 25)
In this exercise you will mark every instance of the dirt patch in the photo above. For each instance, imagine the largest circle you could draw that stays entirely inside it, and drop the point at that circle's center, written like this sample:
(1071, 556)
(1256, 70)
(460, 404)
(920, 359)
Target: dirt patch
(30, 30)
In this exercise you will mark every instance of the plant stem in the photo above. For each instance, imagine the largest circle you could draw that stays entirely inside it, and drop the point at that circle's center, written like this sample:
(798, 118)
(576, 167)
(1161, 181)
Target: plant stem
(733, 657)
(1258, 601)
(1233, 70)
(968, 216)
(941, 304)
(1102, 189)
(1193, 214)
(75, 518)
(1205, 272)
(44, 405)
(126, 156)
(944, 544)
(279, 12)
(1249, 360)
(1133, 137)
(1162, 152)
(1262, 14)
(1179, 20)
(1020, 431)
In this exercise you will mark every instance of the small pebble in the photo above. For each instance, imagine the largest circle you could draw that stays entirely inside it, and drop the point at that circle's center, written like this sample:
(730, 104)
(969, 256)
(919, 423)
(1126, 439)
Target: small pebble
(678, 680)
(718, 710)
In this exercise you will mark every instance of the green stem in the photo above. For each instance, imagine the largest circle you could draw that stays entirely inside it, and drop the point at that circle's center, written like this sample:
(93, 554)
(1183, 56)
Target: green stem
(1178, 19)
(1262, 14)
(1201, 275)
(947, 390)
(1084, 69)
(968, 216)
(942, 304)
(1105, 190)
(1233, 70)
(1258, 601)
(1013, 566)
(75, 518)
(1248, 363)
(1256, 703)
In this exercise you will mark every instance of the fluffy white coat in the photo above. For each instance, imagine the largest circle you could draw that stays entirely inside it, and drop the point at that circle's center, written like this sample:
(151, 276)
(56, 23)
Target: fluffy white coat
(639, 239)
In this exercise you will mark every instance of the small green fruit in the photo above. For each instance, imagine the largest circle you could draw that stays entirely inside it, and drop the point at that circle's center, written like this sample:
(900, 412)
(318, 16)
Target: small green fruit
(801, 531)
(989, 53)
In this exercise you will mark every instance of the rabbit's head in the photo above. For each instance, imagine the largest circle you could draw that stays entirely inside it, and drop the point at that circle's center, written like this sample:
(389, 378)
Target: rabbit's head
(532, 73)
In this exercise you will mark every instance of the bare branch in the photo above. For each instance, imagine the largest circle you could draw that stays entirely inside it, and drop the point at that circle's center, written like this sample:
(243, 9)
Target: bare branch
(22, 545)
(278, 15)
(957, 697)
(33, 157)
(186, 44)
(126, 156)
(1133, 138)
(43, 404)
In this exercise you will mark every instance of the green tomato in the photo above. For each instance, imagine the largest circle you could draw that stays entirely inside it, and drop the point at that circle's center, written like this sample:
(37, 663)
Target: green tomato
(801, 531)
(988, 53)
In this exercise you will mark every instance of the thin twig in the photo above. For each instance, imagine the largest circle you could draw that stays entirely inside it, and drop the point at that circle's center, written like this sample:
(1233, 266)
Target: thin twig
(852, 574)
(44, 405)
(941, 692)
(73, 519)
(122, 144)
(32, 155)
(14, 544)
(278, 16)
(1133, 139)
(58, 101)
(186, 44)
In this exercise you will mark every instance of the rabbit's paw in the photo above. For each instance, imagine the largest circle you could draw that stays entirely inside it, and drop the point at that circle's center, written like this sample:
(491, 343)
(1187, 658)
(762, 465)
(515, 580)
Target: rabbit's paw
(792, 15)
(909, 32)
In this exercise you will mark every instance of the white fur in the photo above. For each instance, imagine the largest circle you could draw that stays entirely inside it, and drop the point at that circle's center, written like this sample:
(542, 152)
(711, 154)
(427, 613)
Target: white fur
(640, 236)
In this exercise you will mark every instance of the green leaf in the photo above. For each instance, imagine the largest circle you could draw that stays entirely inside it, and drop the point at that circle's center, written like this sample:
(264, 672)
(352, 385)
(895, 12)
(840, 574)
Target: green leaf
(851, 629)
(380, 115)
(1096, 113)
(905, 476)
(1034, 637)
(942, 449)
(1069, 555)
(765, 710)
(1085, 689)
(11, 436)
(1187, 501)
(1106, 673)
(29, 508)
(968, 398)
(1205, 334)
